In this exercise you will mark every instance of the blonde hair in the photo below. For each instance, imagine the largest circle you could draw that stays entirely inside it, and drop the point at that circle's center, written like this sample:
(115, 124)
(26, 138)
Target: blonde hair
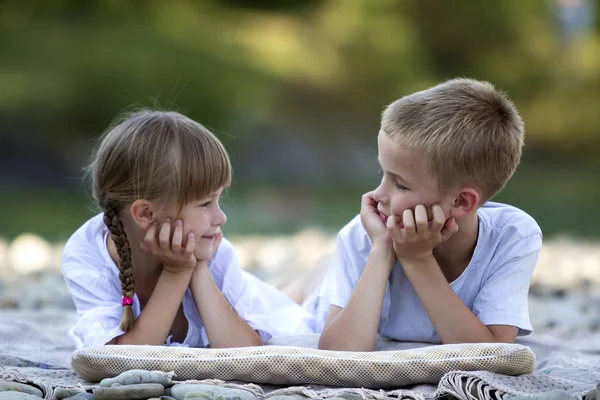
(158, 156)
(470, 133)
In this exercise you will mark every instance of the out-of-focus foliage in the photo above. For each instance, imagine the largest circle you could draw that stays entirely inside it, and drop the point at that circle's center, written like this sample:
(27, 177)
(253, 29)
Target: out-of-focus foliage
(294, 88)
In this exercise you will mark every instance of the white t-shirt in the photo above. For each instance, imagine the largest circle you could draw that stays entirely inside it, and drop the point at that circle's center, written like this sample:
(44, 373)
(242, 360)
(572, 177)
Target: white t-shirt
(494, 286)
(93, 280)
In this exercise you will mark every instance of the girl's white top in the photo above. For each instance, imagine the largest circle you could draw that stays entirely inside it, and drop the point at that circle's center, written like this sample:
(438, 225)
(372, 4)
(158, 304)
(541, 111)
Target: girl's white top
(93, 280)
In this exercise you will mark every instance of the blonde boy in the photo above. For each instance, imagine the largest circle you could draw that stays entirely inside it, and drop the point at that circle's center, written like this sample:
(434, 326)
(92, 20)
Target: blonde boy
(429, 258)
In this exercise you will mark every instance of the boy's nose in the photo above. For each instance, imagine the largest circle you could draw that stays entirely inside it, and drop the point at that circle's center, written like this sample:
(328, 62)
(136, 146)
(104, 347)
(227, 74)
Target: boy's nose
(379, 194)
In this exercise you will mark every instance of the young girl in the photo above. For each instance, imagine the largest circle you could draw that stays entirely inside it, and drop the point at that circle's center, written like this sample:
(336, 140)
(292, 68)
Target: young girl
(157, 177)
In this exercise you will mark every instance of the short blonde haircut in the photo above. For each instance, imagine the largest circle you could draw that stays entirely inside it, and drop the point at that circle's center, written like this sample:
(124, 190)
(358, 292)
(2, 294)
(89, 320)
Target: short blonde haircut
(470, 133)
(154, 155)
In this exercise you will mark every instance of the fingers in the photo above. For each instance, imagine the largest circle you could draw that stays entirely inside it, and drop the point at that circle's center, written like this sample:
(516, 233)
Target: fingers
(394, 228)
(191, 244)
(450, 228)
(421, 220)
(149, 241)
(439, 218)
(368, 201)
(164, 235)
(167, 237)
(177, 236)
(409, 222)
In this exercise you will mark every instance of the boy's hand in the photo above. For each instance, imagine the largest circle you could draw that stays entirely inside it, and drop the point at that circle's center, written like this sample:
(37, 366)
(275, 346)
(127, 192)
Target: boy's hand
(166, 246)
(418, 236)
(372, 222)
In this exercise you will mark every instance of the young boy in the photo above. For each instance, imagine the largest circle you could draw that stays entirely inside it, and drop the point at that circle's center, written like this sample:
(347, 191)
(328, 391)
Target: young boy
(429, 259)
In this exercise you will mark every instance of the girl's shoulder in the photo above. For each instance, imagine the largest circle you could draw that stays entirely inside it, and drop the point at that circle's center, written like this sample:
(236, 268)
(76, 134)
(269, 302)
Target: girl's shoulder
(88, 242)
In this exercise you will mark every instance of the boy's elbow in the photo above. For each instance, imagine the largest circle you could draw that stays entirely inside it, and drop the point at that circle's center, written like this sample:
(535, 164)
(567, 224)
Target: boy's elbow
(341, 343)
(503, 333)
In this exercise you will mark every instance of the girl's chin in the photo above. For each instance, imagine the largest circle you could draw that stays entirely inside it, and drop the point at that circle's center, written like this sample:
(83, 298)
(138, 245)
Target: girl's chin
(204, 253)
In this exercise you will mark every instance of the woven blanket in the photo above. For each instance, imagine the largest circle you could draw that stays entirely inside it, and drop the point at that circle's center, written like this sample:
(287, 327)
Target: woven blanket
(34, 349)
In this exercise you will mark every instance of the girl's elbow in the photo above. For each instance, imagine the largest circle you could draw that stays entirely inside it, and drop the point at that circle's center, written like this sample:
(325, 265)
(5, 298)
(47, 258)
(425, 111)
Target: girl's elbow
(257, 340)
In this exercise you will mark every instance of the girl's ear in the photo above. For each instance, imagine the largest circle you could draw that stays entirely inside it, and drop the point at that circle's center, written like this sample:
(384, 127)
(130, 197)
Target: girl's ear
(143, 213)
(465, 202)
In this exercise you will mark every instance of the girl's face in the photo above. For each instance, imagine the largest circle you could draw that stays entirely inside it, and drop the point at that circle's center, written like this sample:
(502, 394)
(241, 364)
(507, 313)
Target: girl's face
(204, 218)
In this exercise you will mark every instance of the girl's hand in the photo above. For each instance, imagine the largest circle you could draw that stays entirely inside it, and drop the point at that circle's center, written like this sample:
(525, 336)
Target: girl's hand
(372, 221)
(166, 246)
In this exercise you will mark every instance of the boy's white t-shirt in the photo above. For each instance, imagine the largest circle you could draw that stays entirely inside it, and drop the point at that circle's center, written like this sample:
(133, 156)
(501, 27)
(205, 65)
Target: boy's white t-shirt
(93, 280)
(494, 286)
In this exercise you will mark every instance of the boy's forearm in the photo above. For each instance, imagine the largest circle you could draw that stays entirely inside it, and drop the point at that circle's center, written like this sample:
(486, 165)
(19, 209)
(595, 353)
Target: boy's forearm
(223, 325)
(154, 322)
(355, 327)
(452, 319)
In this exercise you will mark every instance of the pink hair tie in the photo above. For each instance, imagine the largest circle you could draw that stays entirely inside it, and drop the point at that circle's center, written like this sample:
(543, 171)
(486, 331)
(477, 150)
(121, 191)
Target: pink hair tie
(126, 301)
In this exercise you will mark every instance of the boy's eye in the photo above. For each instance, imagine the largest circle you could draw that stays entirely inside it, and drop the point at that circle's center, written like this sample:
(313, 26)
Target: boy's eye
(205, 204)
(401, 187)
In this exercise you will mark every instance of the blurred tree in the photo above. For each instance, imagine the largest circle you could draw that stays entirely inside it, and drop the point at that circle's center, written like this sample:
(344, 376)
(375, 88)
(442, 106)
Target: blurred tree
(287, 85)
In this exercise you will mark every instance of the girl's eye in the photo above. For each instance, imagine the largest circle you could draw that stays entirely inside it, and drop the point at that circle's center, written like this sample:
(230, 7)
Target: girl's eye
(399, 186)
(205, 204)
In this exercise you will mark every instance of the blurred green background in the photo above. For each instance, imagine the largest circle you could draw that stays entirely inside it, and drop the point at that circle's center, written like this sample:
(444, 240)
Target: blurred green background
(294, 89)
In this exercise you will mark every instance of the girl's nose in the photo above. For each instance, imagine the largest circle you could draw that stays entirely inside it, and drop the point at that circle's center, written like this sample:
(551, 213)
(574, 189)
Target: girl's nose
(220, 218)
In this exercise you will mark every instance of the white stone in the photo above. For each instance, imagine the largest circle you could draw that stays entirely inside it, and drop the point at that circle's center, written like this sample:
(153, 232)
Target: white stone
(29, 253)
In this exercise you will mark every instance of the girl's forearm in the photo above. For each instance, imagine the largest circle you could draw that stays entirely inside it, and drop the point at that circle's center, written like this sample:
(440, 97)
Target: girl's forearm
(223, 325)
(154, 322)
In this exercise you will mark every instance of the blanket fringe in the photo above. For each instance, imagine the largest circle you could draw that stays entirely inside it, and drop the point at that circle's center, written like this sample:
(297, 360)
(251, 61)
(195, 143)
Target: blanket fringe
(11, 374)
(466, 387)
(365, 394)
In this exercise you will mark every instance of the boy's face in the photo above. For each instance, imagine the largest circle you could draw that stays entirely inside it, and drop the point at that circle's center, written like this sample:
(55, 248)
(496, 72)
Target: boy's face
(406, 181)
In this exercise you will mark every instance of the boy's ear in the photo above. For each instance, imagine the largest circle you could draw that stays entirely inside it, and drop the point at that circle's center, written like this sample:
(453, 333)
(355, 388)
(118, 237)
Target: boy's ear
(465, 202)
(143, 213)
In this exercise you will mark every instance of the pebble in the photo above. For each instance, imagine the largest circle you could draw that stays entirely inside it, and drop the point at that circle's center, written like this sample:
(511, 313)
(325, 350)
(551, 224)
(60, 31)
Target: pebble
(552, 395)
(64, 393)
(81, 396)
(593, 394)
(162, 398)
(140, 391)
(9, 386)
(137, 376)
(210, 392)
(17, 396)
(349, 396)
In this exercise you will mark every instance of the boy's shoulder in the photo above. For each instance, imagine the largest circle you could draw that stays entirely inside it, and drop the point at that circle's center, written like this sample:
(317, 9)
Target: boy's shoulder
(354, 230)
(508, 219)
(354, 237)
